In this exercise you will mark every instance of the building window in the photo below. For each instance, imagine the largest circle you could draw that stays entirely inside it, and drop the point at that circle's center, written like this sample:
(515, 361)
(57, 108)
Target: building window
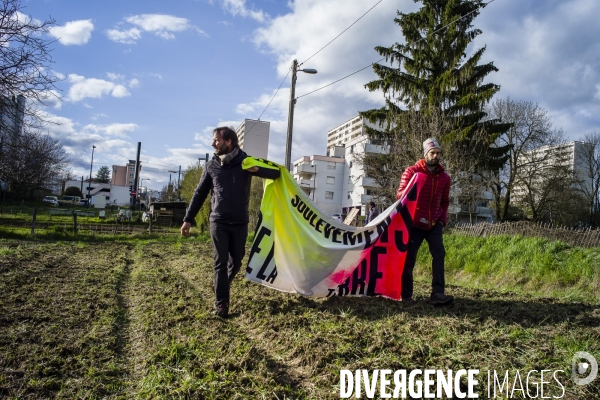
(331, 165)
(329, 195)
(331, 180)
(350, 164)
(350, 180)
(131, 168)
(349, 195)
(131, 175)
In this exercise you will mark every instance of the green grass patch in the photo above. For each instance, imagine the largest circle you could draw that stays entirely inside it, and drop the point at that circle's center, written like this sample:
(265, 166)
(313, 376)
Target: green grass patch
(530, 265)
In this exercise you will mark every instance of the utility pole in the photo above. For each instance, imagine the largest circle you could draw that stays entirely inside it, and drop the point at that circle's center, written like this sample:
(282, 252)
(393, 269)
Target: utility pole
(90, 182)
(288, 143)
(136, 174)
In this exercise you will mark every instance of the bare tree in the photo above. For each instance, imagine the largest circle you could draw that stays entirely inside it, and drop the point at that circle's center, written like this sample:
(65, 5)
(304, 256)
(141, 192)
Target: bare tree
(25, 54)
(531, 129)
(588, 166)
(29, 160)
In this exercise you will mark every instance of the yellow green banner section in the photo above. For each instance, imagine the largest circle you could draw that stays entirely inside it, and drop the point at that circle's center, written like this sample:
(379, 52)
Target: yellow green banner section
(297, 248)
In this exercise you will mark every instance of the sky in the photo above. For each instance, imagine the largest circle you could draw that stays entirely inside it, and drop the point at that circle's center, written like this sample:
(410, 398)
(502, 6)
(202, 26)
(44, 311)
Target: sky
(167, 72)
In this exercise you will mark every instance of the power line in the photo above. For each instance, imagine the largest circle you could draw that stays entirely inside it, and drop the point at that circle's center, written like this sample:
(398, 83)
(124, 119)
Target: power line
(341, 79)
(423, 38)
(318, 51)
(261, 114)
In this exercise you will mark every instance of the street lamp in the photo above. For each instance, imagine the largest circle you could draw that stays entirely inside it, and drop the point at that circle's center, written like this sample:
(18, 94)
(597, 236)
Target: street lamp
(288, 144)
(142, 185)
(90, 182)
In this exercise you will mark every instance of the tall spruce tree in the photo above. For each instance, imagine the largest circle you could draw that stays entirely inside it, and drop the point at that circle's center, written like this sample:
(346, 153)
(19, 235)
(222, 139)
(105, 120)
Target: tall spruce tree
(430, 73)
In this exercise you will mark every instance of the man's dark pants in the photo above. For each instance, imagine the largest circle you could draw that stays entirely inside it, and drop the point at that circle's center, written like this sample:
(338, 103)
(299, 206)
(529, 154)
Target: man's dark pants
(436, 248)
(229, 246)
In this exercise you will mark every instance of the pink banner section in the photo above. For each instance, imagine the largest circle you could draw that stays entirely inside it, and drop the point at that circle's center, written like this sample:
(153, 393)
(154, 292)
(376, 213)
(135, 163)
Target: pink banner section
(379, 272)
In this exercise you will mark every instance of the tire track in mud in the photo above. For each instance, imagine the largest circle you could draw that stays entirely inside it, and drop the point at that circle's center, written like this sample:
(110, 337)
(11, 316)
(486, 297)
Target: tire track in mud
(121, 329)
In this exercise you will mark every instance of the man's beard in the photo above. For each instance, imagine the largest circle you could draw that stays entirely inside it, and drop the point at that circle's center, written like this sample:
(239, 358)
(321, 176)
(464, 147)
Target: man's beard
(222, 150)
(432, 163)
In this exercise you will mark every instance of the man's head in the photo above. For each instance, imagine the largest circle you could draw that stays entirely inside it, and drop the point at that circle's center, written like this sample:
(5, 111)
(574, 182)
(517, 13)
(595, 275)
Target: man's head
(372, 204)
(432, 152)
(224, 140)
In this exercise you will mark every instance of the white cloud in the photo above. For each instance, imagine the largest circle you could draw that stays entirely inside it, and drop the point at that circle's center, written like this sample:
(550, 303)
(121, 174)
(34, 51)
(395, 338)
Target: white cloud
(154, 74)
(83, 87)
(161, 25)
(73, 33)
(115, 77)
(99, 115)
(116, 129)
(134, 83)
(120, 91)
(238, 7)
(129, 36)
(287, 38)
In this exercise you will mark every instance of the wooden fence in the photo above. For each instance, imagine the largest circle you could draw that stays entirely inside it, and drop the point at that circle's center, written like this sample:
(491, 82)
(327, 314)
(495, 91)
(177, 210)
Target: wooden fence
(574, 237)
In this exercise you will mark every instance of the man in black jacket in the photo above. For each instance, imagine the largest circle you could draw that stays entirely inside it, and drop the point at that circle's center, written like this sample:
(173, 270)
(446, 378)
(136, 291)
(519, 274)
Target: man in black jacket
(230, 186)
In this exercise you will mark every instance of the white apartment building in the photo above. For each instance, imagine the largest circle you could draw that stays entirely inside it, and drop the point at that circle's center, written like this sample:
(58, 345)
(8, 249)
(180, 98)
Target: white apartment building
(336, 182)
(253, 137)
(567, 155)
(351, 130)
(322, 178)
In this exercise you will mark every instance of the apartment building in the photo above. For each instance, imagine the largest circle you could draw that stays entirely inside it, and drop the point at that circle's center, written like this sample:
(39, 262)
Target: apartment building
(352, 130)
(123, 176)
(12, 114)
(253, 137)
(336, 182)
(570, 155)
(321, 177)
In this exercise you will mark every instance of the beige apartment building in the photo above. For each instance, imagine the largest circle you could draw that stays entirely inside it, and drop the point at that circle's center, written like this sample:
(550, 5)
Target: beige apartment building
(123, 176)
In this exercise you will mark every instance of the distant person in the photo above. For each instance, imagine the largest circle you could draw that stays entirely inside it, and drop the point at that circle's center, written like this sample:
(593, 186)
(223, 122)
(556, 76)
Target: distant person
(372, 213)
(230, 186)
(429, 221)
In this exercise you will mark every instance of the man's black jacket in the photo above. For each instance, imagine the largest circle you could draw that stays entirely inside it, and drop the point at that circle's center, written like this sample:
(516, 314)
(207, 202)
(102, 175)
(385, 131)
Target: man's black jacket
(230, 186)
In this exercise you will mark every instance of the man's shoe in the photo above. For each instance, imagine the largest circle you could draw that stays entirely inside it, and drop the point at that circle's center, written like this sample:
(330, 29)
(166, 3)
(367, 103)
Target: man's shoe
(409, 301)
(438, 299)
(222, 310)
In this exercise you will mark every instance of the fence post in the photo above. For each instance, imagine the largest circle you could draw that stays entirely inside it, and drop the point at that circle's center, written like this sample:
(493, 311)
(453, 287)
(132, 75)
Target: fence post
(74, 223)
(150, 227)
(33, 221)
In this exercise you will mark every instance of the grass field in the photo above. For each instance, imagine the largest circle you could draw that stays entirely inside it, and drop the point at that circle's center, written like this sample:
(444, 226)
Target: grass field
(131, 318)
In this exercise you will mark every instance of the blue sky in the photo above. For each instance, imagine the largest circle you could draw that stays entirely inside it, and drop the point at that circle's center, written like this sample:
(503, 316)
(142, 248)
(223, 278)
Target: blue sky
(165, 73)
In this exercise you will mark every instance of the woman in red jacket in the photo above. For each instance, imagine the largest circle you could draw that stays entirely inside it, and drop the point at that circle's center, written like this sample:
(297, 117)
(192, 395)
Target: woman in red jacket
(429, 220)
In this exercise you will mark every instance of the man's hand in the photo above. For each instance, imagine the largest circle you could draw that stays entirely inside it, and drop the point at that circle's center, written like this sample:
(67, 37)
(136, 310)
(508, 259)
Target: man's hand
(185, 229)
(252, 169)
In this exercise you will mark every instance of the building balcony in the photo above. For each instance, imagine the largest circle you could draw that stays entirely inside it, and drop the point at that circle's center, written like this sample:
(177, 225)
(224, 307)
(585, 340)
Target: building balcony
(368, 182)
(305, 168)
(306, 183)
(375, 149)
